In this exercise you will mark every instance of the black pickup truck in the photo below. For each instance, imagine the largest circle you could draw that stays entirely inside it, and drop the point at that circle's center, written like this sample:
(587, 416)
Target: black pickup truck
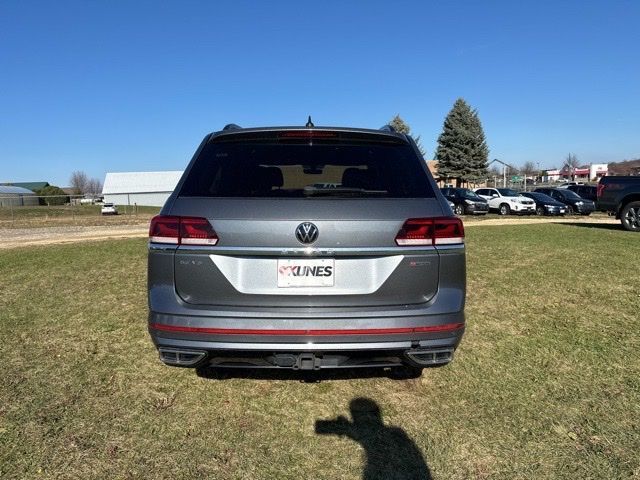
(621, 196)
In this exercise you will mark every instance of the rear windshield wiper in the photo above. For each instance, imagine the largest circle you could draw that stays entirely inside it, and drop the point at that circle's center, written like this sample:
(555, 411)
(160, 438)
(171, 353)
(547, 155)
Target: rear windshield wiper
(342, 192)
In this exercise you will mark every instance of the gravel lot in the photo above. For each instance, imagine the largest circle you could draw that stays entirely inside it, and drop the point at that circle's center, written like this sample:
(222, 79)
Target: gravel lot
(21, 237)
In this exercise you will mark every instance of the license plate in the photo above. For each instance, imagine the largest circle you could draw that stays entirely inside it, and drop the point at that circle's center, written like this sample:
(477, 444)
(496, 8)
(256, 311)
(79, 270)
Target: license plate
(306, 273)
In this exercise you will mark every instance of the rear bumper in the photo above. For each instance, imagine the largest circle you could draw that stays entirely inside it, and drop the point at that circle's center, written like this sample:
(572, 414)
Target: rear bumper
(523, 209)
(584, 209)
(555, 210)
(365, 345)
(477, 209)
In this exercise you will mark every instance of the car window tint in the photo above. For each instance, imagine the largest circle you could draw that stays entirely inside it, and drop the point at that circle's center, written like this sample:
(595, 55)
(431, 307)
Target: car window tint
(324, 168)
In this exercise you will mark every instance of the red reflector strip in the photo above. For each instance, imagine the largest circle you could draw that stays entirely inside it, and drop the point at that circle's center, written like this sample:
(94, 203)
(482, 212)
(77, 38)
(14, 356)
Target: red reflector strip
(367, 331)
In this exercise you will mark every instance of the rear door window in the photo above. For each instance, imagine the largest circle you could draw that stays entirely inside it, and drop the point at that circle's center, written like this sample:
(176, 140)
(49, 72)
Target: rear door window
(272, 166)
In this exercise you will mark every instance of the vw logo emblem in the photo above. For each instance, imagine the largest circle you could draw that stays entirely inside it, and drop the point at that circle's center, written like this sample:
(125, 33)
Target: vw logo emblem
(307, 232)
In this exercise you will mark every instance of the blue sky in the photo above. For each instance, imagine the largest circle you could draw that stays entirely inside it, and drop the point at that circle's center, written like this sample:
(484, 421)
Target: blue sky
(118, 86)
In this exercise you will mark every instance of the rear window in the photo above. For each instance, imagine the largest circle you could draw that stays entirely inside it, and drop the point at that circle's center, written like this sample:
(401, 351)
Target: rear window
(570, 194)
(307, 167)
(470, 194)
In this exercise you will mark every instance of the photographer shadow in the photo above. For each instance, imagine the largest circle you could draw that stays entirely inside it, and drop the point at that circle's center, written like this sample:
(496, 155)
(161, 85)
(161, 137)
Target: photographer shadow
(222, 374)
(390, 453)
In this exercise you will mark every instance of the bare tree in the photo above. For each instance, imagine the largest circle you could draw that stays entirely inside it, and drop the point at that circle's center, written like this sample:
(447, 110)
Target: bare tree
(529, 169)
(79, 182)
(571, 163)
(94, 186)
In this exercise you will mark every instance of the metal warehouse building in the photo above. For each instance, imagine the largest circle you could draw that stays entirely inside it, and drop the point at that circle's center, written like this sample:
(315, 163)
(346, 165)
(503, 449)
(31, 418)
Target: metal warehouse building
(139, 188)
(17, 197)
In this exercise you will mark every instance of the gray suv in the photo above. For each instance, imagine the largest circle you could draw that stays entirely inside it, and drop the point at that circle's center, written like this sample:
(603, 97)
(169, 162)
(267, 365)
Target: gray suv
(306, 248)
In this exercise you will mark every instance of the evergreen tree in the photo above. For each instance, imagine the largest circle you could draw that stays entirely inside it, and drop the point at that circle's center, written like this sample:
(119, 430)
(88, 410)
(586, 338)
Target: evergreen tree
(462, 151)
(400, 126)
(52, 195)
(481, 150)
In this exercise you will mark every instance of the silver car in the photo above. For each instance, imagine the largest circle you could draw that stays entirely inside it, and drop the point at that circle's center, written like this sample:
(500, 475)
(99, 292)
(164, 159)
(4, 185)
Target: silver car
(307, 248)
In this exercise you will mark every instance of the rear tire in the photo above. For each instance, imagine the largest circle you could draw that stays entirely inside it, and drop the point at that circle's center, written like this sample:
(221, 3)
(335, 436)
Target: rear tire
(630, 217)
(540, 211)
(586, 214)
(458, 210)
(504, 209)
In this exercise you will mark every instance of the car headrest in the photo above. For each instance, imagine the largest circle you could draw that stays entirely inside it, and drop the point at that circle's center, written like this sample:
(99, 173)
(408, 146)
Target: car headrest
(272, 176)
(356, 178)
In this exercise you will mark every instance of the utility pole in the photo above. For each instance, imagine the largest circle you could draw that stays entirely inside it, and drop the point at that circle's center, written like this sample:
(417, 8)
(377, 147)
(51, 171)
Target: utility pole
(505, 166)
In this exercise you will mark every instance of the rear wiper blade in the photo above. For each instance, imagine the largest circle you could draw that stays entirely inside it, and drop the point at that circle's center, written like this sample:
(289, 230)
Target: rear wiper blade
(341, 191)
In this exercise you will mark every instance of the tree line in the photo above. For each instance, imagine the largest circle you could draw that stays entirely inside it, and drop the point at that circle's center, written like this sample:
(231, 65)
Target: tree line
(80, 184)
(462, 152)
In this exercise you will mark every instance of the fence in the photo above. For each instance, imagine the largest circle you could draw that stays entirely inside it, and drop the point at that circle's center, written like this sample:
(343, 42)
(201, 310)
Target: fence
(33, 210)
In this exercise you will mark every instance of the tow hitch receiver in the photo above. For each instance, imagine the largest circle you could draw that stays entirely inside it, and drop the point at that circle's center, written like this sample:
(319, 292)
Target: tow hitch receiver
(308, 361)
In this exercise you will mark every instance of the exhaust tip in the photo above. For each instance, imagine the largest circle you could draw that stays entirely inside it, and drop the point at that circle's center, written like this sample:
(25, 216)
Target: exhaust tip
(428, 357)
(181, 358)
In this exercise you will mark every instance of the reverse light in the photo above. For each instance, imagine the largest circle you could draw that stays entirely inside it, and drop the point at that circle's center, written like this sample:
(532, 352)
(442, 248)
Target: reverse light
(182, 230)
(431, 231)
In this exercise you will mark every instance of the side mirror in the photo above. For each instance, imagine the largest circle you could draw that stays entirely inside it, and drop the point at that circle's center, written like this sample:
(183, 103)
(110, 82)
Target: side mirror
(494, 195)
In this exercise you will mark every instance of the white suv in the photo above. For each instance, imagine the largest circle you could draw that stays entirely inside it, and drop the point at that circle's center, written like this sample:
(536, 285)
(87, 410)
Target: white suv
(109, 209)
(506, 201)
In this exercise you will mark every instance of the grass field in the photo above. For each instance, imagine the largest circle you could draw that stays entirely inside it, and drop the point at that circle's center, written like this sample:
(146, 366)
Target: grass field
(546, 383)
(65, 215)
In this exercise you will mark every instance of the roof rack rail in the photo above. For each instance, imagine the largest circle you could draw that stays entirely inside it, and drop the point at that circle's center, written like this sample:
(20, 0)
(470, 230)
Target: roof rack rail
(231, 126)
(388, 128)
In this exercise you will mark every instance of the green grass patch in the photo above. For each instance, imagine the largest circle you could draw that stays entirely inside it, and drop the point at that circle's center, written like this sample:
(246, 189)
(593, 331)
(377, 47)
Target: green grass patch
(546, 383)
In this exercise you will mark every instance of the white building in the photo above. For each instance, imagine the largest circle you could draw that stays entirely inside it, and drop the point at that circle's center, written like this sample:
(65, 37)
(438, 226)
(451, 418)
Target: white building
(17, 197)
(586, 173)
(139, 188)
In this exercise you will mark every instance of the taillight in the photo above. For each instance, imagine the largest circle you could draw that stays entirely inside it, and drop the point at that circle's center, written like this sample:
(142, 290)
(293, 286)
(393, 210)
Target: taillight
(196, 231)
(448, 231)
(416, 231)
(600, 189)
(182, 230)
(431, 231)
(165, 229)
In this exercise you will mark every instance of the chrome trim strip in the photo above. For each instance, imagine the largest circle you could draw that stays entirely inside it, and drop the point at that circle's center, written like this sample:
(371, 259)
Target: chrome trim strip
(457, 246)
(310, 251)
(162, 246)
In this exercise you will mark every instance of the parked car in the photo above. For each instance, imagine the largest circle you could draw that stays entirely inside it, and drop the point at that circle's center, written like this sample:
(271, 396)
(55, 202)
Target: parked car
(506, 201)
(466, 201)
(569, 184)
(585, 191)
(574, 202)
(109, 209)
(252, 265)
(621, 197)
(545, 205)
